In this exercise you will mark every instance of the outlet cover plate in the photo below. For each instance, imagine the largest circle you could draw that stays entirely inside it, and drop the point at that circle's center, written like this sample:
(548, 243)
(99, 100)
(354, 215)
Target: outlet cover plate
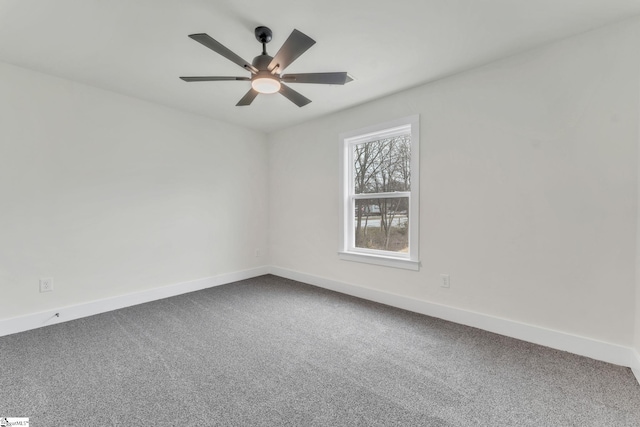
(445, 281)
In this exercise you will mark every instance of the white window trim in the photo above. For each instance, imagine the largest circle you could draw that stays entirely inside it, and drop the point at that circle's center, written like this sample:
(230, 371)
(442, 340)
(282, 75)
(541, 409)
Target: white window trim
(347, 251)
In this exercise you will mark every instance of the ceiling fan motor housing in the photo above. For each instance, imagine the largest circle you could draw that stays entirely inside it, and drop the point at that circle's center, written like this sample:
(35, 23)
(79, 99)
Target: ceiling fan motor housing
(264, 81)
(261, 62)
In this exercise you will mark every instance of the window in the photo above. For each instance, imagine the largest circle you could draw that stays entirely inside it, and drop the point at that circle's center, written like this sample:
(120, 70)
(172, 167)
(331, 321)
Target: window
(380, 204)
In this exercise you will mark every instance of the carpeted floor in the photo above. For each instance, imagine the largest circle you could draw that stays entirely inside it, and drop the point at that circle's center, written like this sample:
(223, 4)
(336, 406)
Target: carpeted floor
(274, 352)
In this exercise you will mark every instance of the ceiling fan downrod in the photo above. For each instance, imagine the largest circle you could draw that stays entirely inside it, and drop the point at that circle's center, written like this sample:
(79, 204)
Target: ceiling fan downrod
(263, 35)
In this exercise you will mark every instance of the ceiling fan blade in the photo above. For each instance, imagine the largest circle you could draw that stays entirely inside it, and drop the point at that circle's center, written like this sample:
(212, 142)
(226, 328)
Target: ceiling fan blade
(293, 47)
(217, 47)
(213, 79)
(294, 96)
(248, 98)
(339, 78)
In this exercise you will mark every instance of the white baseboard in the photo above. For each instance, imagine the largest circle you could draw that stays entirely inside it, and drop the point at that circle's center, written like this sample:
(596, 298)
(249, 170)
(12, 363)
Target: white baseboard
(599, 350)
(635, 364)
(45, 318)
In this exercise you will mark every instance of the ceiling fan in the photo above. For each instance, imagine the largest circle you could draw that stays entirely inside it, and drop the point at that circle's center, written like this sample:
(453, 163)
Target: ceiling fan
(266, 71)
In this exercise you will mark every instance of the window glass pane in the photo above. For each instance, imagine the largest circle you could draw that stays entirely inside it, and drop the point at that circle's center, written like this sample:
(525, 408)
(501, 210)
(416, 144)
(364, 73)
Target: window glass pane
(382, 166)
(382, 224)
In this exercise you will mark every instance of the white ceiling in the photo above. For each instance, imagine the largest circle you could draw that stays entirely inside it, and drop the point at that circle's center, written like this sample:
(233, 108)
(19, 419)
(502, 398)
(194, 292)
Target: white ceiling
(140, 47)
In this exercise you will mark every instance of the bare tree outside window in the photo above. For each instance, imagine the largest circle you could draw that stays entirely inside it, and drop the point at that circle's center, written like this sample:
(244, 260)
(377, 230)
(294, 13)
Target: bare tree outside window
(381, 169)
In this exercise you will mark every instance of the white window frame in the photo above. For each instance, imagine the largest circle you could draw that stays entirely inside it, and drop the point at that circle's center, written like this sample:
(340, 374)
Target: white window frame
(347, 250)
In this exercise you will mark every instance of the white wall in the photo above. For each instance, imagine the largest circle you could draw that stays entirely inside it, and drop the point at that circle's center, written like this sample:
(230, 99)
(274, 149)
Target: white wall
(529, 191)
(111, 195)
(528, 188)
(635, 363)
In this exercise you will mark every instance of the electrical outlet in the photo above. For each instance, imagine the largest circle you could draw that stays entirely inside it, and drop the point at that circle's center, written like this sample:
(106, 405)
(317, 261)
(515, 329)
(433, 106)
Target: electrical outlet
(257, 253)
(445, 281)
(46, 285)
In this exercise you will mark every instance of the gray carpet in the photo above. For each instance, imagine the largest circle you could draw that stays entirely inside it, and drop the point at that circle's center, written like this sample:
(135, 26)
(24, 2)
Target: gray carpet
(274, 352)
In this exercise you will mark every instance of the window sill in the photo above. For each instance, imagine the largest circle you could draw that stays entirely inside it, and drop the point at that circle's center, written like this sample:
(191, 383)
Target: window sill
(385, 261)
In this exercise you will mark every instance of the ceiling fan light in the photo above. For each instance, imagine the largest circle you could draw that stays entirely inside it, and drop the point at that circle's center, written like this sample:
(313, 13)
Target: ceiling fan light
(265, 85)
